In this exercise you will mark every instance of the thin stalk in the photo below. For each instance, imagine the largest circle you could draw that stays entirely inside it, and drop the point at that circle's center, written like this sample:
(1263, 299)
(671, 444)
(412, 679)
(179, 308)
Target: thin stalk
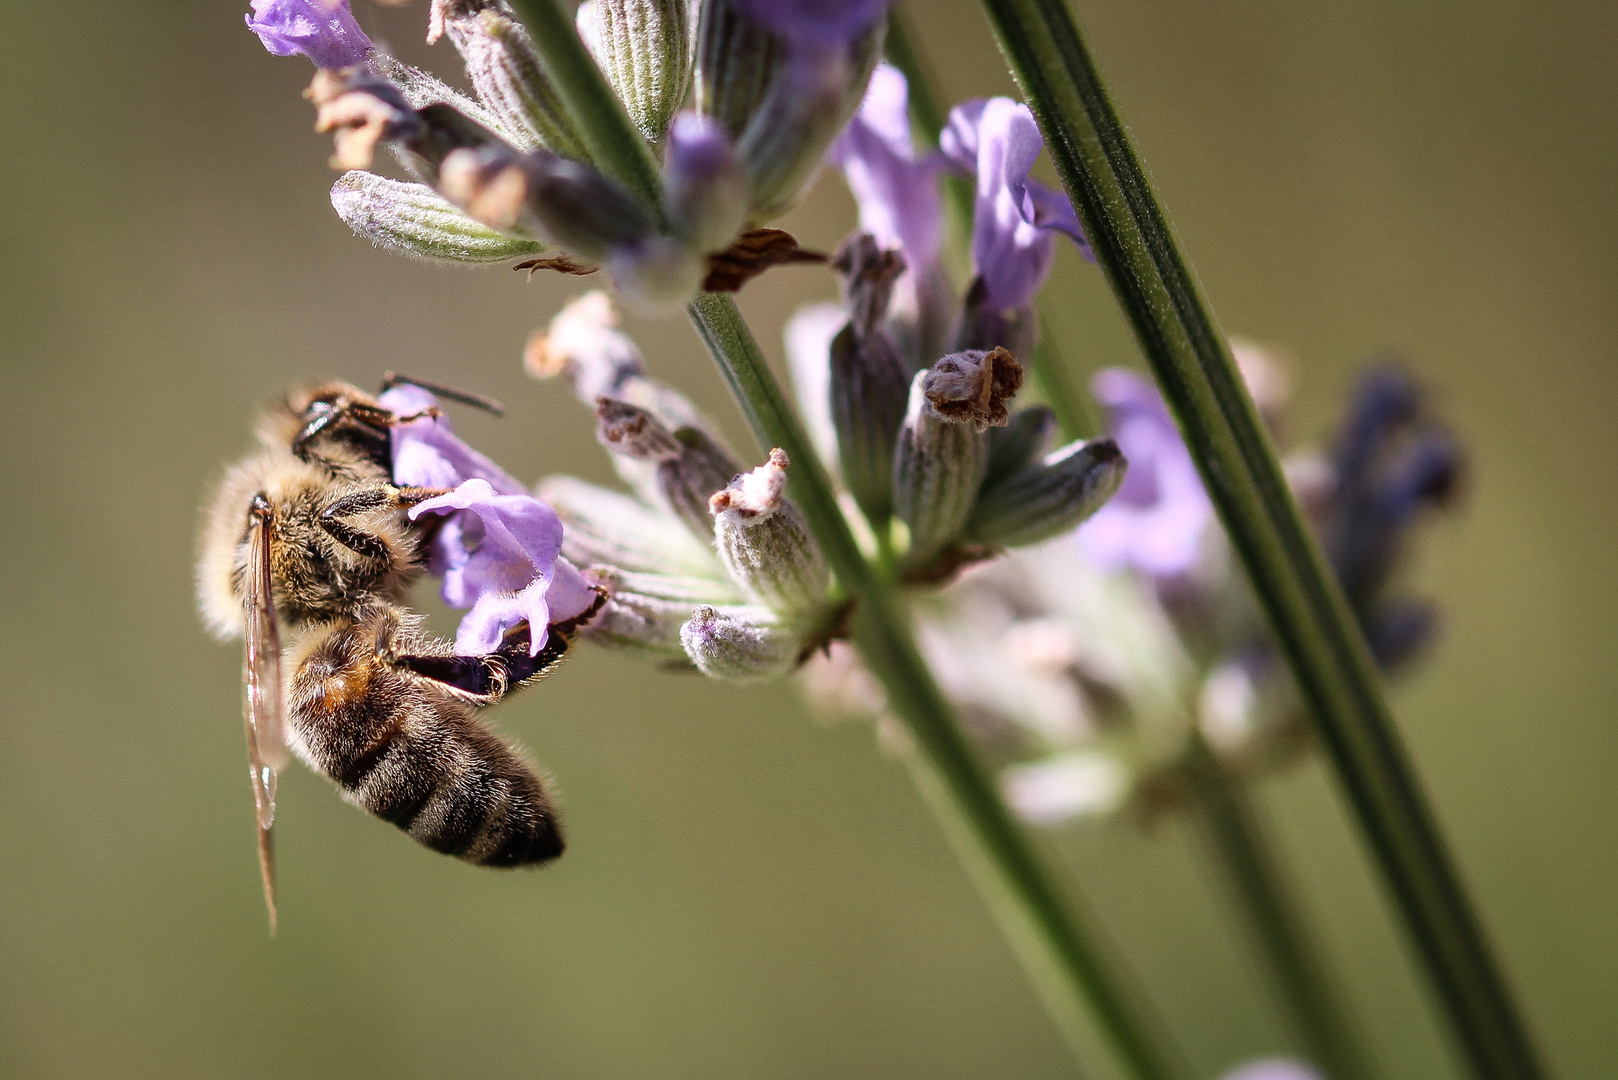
(1025, 898)
(1058, 954)
(1231, 824)
(1328, 657)
(615, 145)
(1236, 840)
(1050, 374)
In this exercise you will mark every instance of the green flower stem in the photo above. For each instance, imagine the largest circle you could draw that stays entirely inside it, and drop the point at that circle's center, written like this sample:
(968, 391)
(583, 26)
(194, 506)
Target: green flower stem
(1236, 839)
(1328, 657)
(1024, 896)
(1091, 1013)
(1051, 375)
(1230, 823)
(614, 143)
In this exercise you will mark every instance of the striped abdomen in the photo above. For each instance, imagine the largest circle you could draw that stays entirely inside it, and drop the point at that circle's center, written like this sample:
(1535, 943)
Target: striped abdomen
(406, 750)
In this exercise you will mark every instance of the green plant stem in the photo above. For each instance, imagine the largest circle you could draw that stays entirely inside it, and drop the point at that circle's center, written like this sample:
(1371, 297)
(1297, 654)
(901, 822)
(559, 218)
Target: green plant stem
(614, 143)
(1230, 823)
(1313, 626)
(1024, 896)
(1050, 373)
(1235, 837)
(1089, 1010)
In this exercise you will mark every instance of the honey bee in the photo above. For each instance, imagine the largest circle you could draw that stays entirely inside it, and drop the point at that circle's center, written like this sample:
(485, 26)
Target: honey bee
(310, 535)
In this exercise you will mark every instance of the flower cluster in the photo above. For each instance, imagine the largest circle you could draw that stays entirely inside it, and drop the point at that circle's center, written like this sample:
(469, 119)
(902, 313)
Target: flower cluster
(507, 174)
(907, 387)
(1086, 663)
(707, 563)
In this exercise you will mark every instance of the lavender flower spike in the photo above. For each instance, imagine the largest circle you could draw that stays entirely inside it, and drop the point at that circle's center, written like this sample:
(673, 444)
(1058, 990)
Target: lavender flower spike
(322, 30)
(897, 194)
(1156, 521)
(1015, 219)
(514, 574)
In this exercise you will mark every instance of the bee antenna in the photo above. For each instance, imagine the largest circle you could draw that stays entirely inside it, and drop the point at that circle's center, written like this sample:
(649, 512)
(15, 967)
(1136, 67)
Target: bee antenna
(476, 401)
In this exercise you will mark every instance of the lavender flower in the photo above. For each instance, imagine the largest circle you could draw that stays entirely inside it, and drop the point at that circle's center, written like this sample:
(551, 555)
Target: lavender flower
(1157, 520)
(505, 564)
(498, 553)
(1015, 219)
(322, 30)
(897, 192)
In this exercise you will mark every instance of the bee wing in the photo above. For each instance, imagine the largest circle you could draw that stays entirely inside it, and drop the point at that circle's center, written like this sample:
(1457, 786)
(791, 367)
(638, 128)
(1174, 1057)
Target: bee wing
(266, 746)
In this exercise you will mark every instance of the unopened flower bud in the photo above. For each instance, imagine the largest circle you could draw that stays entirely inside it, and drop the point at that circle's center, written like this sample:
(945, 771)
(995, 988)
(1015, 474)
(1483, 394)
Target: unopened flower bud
(413, 219)
(734, 60)
(704, 183)
(784, 83)
(489, 184)
(1049, 498)
(937, 471)
(505, 70)
(764, 540)
(606, 527)
(739, 644)
(359, 115)
(585, 342)
(658, 274)
(580, 209)
(1025, 437)
(646, 611)
(679, 469)
(868, 386)
(644, 49)
(868, 391)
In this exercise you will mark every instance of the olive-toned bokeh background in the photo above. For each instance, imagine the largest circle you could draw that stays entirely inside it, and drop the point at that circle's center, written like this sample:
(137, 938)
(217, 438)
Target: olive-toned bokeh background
(748, 894)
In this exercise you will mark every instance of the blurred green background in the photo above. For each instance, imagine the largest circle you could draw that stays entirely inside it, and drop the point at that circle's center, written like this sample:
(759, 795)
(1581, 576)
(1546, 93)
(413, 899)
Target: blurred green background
(748, 894)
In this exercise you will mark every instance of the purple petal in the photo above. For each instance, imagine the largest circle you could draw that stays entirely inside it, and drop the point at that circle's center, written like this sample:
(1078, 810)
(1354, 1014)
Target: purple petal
(506, 576)
(426, 453)
(815, 22)
(1015, 219)
(495, 613)
(322, 30)
(897, 194)
(1157, 520)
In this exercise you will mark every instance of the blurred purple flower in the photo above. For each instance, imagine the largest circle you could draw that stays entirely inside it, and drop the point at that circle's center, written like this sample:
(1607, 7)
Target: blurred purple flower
(1156, 521)
(322, 30)
(504, 565)
(897, 193)
(1015, 219)
(815, 22)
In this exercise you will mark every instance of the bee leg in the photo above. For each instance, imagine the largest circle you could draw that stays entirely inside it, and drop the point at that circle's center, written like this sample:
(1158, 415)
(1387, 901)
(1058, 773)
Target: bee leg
(483, 678)
(356, 422)
(490, 677)
(352, 536)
